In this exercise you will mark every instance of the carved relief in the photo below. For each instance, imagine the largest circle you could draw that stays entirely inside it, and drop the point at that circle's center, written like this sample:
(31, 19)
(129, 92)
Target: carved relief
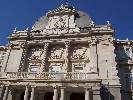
(35, 53)
(79, 52)
(61, 24)
(34, 58)
(57, 52)
(79, 57)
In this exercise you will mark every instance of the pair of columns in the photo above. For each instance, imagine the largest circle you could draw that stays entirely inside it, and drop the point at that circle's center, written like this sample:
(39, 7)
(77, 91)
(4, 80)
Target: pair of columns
(27, 93)
(55, 97)
(6, 93)
(25, 96)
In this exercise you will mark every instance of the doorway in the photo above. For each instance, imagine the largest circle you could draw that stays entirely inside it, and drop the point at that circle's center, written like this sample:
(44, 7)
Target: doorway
(48, 96)
(77, 96)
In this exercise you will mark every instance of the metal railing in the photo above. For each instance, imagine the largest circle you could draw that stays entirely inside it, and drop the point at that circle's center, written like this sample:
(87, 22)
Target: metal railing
(48, 76)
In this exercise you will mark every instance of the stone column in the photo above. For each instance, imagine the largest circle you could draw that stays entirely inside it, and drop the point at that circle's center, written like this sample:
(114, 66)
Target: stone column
(96, 95)
(55, 97)
(87, 94)
(44, 57)
(2, 88)
(32, 93)
(6, 93)
(26, 93)
(62, 94)
(67, 45)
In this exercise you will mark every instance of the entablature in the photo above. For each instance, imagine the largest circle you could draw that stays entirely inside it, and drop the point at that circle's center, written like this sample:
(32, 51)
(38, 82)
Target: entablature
(30, 34)
(124, 42)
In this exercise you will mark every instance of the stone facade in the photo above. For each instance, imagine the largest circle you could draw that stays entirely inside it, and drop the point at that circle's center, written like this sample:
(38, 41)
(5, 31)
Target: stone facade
(66, 56)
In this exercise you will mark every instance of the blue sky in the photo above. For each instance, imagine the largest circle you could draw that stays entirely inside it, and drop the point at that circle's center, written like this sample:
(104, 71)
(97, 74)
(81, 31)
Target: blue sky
(23, 14)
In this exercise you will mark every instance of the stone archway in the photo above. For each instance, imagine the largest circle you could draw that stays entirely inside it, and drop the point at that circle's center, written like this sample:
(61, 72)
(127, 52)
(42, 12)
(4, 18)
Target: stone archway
(77, 96)
(48, 96)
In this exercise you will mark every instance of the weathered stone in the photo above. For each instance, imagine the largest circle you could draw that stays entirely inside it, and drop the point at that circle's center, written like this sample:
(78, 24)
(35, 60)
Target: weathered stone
(66, 49)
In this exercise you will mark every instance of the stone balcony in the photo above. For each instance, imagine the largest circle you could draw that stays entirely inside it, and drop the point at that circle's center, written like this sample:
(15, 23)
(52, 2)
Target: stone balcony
(48, 76)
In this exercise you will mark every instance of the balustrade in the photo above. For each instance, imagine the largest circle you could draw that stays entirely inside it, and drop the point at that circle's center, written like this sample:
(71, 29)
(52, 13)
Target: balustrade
(49, 75)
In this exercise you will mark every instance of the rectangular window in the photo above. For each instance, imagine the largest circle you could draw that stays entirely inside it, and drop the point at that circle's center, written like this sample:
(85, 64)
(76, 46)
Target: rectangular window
(56, 68)
(34, 68)
(78, 67)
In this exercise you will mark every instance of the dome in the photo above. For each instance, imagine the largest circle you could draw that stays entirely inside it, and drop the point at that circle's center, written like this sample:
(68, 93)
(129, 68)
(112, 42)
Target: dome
(41, 23)
(82, 20)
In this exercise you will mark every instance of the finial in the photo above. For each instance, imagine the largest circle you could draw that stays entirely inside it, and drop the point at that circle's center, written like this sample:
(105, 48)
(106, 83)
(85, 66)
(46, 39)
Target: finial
(27, 29)
(108, 23)
(92, 23)
(15, 30)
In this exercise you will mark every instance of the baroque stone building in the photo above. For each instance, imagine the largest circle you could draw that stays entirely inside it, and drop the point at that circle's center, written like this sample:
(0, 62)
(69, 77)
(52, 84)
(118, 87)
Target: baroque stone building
(65, 56)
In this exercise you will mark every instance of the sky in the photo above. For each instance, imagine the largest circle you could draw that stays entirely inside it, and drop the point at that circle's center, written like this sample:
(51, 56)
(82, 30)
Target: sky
(24, 13)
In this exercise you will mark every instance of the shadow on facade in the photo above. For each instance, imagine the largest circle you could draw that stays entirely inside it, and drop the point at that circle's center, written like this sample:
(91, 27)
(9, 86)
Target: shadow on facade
(105, 94)
(124, 72)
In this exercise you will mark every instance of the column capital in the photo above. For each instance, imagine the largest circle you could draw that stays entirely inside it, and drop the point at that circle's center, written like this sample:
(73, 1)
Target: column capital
(55, 87)
(67, 43)
(27, 85)
(33, 86)
(46, 44)
(87, 88)
(62, 87)
(89, 41)
(7, 85)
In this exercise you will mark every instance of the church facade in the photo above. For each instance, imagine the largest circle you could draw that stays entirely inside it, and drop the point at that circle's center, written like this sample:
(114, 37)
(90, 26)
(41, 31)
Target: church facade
(66, 56)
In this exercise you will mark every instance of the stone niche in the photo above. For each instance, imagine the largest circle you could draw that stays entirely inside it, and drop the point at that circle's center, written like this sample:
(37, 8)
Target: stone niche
(56, 58)
(34, 58)
(79, 57)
